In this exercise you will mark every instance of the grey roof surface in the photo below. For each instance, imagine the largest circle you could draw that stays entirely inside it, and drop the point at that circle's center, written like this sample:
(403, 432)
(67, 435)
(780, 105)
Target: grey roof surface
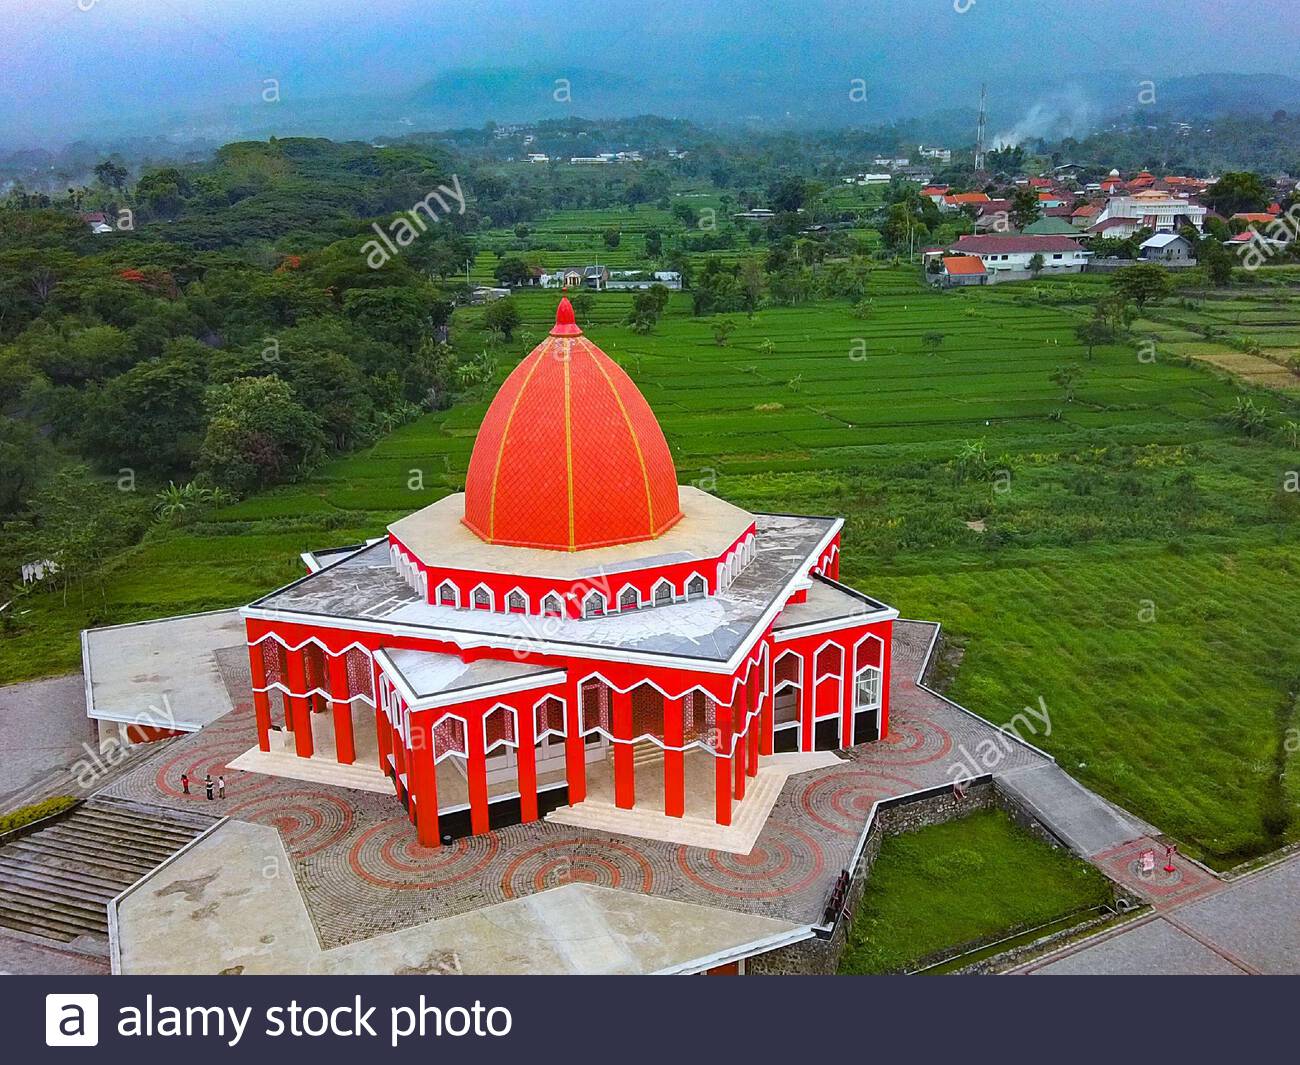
(366, 587)
(429, 673)
(827, 601)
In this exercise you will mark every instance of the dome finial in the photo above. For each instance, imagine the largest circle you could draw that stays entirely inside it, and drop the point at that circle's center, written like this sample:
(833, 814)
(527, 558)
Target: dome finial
(565, 324)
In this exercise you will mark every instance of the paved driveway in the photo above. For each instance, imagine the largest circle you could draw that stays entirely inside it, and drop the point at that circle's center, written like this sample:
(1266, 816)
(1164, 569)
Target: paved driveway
(1248, 926)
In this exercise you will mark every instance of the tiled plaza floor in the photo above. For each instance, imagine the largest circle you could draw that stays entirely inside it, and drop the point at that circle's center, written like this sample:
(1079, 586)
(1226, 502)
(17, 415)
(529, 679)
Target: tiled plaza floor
(362, 872)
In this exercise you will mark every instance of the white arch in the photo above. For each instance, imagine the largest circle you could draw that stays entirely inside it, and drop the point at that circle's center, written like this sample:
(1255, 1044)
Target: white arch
(623, 596)
(455, 593)
(598, 595)
(553, 604)
(503, 742)
(522, 594)
(473, 596)
(661, 583)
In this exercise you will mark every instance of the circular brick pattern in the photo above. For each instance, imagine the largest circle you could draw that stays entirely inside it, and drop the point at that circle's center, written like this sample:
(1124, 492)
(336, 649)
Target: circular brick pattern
(577, 861)
(309, 821)
(914, 742)
(784, 861)
(207, 758)
(842, 799)
(389, 855)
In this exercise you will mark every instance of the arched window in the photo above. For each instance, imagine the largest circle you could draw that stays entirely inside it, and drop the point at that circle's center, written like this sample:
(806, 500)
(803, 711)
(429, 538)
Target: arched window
(629, 599)
(516, 603)
(482, 597)
(552, 605)
(448, 594)
(696, 588)
(499, 729)
(594, 605)
(663, 593)
(866, 689)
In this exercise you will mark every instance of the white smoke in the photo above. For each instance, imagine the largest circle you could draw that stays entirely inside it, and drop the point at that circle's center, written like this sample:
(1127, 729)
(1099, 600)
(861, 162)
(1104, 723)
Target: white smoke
(1064, 113)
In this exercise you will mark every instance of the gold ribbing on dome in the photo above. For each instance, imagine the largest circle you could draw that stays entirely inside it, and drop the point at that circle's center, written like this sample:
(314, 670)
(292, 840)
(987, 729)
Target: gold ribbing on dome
(631, 432)
(501, 448)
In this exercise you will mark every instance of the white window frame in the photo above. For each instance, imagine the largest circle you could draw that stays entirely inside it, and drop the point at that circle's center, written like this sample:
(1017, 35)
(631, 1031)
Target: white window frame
(455, 593)
(473, 597)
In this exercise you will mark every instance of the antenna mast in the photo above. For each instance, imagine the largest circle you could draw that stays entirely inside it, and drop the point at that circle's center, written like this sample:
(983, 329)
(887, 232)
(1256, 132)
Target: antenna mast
(981, 128)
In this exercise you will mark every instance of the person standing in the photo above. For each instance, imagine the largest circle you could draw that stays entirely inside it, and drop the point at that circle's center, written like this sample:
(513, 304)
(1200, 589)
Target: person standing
(207, 785)
(221, 786)
(185, 783)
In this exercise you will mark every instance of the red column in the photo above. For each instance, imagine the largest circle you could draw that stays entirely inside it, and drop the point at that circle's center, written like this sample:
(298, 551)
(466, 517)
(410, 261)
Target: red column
(344, 745)
(674, 761)
(425, 781)
(752, 743)
(575, 751)
(261, 699)
(847, 666)
(526, 763)
(765, 685)
(624, 773)
(476, 770)
(807, 703)
(722, 767)
(738, 753)
(383, 732)
(299, 704)
(886, 658)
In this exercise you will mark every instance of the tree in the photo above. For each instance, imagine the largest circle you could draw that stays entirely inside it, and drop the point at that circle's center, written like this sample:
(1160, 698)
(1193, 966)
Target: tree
(787, 194)
(1142, 283)
(1025, 207)
(502, 315)
(1096, 330)
(1237, 191)
(1036, 263)
(647, 305)
(1068, 378)
(654, 243)
(933, 341)
(583, 304)
(722, 329)
(612, 238)
(1217, 261)
(151, 417)
(511, 271)
(1246, 416)
(78, 523)
(111, 175)
(24, 455)
(258, 434)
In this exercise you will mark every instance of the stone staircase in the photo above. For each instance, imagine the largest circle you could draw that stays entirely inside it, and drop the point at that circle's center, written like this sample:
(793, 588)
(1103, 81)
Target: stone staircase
(644, 752)
(55, 883)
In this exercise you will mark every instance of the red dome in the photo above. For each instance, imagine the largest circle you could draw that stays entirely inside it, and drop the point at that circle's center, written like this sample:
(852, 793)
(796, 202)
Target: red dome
(570, 455)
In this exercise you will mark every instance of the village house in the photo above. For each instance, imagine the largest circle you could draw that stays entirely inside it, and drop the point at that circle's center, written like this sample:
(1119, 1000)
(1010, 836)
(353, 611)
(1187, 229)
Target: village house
(1010, 258)
(1168, 248)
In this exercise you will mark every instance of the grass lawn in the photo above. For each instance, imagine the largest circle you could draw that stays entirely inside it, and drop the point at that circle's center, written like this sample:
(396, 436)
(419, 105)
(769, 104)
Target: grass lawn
(948, 885)
(1126, 556)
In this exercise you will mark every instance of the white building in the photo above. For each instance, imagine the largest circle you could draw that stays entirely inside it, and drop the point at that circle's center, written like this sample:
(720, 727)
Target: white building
(1155, 210)
(1009, 258)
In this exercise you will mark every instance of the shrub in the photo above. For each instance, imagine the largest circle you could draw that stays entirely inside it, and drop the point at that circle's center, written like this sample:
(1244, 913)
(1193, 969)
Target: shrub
(25, 815)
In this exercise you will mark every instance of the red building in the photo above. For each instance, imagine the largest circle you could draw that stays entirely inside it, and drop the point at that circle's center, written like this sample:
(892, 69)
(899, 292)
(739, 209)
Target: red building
(574, 623)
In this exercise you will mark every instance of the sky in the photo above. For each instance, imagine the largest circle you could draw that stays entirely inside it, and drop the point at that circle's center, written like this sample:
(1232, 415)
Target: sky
(68, 67)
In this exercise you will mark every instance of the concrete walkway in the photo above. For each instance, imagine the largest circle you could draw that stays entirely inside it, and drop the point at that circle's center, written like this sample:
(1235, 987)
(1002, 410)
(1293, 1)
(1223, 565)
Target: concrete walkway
(1250, 926)
(1083, 819)
(42, 728)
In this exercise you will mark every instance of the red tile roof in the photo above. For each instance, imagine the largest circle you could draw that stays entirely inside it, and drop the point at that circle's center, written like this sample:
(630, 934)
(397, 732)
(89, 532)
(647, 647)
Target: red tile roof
(963, 264)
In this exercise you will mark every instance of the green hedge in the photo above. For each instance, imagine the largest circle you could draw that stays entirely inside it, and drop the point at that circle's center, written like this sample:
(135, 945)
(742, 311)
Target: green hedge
(25, 815)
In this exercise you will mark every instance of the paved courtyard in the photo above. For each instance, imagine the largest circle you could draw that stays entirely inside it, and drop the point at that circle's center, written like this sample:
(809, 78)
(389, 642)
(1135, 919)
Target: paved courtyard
(361, 873)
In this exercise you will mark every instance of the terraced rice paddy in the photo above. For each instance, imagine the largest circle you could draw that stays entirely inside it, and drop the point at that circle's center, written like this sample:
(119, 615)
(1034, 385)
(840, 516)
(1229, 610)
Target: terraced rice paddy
(1137, 567)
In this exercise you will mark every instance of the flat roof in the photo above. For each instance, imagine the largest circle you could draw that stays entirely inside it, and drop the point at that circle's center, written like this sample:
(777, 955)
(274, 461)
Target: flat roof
(428, 674)
(708, 527)
(163, 673)
(827, 601)
(364, 590)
